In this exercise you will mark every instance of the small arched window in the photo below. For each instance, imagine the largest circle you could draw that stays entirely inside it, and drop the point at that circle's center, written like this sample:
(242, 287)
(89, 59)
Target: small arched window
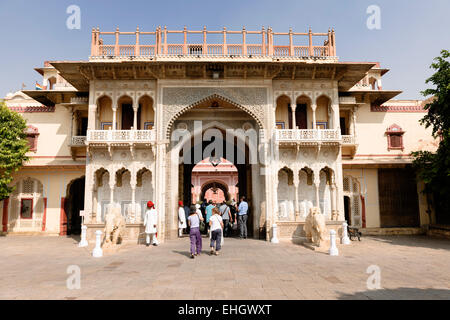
(395, 137)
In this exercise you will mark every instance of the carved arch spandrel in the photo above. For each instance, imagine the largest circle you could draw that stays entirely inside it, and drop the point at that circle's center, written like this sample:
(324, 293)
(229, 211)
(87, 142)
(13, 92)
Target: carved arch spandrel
(177, 101)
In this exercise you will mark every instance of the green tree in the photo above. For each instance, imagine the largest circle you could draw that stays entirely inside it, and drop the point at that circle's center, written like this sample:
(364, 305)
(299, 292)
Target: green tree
(434, 167)
(13, 147)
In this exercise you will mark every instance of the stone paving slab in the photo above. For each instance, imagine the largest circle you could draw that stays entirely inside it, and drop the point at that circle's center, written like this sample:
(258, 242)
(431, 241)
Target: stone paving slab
(412, 267)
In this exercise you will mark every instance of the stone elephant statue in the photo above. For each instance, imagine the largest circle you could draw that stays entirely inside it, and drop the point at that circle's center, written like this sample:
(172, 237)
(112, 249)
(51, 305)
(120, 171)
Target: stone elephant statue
(315, 227)
(114, 226)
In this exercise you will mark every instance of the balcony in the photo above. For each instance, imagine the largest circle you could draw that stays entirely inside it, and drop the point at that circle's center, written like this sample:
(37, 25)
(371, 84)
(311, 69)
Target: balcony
(151, 44)
(77, 146)
(348, 140)
(78, 141)
(117, 137)
(308, 136)
(349, 146)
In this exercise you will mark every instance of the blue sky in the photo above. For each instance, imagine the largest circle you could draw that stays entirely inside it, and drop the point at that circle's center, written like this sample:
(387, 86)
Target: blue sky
(412, 32)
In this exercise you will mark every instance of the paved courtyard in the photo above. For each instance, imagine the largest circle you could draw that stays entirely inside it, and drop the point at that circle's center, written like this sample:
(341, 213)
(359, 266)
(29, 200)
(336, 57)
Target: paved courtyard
(411, 268)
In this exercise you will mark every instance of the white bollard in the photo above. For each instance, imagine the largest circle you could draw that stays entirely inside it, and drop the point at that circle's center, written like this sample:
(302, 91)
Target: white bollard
(97, 252)
(333, 249)
(83, 242)
(274, 234)
(345, 239)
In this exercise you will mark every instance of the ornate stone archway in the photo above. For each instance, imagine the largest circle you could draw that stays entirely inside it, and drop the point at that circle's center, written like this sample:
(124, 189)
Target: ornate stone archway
(178, 100)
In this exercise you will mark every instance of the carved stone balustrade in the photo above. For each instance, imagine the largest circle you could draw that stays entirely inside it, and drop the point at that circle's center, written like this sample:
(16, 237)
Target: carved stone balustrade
(120, 136)
(348, 139)
(78, 141)
(308, 136)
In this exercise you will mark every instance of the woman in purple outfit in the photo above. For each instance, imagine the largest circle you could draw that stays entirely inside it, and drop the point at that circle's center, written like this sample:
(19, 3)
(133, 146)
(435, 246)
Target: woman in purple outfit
(194, 233)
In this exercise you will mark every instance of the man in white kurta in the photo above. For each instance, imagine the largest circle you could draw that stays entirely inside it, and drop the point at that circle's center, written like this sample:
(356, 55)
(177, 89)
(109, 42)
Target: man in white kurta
(181, 219)
(151, 224)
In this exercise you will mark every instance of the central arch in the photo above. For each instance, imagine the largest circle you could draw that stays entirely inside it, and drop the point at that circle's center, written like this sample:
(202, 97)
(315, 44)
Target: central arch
(243, 153)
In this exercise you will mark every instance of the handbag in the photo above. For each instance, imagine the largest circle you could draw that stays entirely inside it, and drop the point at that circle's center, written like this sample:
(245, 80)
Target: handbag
(202, 225)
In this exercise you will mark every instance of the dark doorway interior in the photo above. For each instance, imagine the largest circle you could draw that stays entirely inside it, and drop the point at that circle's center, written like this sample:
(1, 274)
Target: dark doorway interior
(83, 127)
(347, 210)
(343, 125)
(73, 204)
(300, 116)
(442, 208)
(127, 116)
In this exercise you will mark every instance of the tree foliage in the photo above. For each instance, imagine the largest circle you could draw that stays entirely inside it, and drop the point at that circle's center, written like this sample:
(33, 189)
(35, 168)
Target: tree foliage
(434, 167)
(13, 147)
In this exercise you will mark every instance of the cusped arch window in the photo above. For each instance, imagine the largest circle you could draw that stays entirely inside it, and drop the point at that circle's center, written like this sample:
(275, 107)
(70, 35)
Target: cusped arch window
(395, 137)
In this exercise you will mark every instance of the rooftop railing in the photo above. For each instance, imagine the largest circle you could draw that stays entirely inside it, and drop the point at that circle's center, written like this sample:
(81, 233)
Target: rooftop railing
(156, 43)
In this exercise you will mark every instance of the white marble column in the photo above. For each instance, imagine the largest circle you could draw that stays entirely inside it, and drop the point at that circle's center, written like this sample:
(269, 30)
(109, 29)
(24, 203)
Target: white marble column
(112, 185)
(333, 201)
(135, 115)
(275, 195)
(92, 117)
(317, 186)
(314, 107)
(114, 109)
(293, 108)
(350, 125)
(296, 204)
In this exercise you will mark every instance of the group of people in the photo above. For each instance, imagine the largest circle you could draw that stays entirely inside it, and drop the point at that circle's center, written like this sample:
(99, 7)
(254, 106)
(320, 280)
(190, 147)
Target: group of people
(215, 219)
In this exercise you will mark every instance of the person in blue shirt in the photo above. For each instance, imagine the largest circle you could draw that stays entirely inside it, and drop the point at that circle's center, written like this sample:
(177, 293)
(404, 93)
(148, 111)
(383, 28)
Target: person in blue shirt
(209, 213)
(243, 217)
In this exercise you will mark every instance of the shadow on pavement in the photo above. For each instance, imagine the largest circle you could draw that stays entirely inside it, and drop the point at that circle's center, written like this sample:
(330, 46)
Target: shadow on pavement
(398, 294)
(413, 241)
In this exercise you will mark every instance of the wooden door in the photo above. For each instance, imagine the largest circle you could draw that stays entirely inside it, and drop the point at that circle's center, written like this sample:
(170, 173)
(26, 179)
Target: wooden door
(398, 198)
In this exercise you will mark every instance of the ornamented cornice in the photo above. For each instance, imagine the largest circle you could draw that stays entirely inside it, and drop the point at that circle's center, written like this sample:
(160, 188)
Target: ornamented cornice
(32, 109)
(410, 108)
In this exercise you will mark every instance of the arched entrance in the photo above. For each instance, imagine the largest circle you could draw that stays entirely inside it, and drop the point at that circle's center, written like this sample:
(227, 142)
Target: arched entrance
(231, 139)
(73, 204)
(215, 187)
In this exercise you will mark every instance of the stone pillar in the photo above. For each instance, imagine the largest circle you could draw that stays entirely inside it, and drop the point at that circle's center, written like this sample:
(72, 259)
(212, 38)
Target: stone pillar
(296, 204)
(88, 205)
(339, 187)
(314, 107)
(112, 183)
(275, 194)
(354, 122)
(293, 108)
(135, 115)
(92, 117)
(350, 124)
(333, 202)
(114, 109)
(94, 197)
(133, 202)
(317, 185)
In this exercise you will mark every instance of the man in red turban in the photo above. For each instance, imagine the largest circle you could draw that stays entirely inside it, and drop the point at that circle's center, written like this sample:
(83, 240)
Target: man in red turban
(181, 219)
(151, 223)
